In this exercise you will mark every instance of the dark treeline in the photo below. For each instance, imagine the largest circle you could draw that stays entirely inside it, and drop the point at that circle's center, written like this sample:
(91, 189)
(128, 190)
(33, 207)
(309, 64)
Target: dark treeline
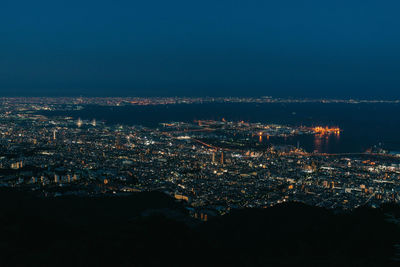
(151, 229)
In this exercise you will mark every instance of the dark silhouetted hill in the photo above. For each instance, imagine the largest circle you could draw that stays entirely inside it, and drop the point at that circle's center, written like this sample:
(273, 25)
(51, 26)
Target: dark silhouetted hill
(152, 229)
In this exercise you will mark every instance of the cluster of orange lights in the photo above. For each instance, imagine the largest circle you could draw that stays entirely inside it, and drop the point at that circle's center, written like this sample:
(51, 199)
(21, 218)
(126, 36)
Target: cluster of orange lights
(326, 130)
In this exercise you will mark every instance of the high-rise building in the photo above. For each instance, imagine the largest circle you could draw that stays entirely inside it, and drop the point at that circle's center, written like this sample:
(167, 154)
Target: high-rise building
(16, 165)
(118, 142)
(222, 157)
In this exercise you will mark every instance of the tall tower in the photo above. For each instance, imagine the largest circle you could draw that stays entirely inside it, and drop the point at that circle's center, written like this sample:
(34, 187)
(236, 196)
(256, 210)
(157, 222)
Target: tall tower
(54, 135)
(222, 157)
(118, 142)
(213, 157)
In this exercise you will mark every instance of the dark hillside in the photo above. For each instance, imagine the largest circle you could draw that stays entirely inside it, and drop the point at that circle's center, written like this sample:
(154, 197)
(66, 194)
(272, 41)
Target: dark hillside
(151, 229)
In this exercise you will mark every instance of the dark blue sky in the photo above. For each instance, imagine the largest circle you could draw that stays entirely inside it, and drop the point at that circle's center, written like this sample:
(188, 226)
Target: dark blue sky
(157, 47)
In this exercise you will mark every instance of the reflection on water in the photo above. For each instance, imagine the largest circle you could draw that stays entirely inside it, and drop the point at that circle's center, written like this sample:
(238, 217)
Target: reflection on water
(327, 143)
(323, 140)
(317, 143)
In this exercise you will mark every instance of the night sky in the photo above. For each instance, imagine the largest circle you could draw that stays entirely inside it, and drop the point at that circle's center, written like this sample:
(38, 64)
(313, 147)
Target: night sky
(286, 48)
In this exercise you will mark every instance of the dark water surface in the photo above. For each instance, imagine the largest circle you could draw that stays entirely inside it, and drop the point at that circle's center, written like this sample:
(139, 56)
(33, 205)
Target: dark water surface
(363, 125)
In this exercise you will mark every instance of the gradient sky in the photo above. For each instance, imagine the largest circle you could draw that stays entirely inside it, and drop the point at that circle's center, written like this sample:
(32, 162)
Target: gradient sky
(219, 47)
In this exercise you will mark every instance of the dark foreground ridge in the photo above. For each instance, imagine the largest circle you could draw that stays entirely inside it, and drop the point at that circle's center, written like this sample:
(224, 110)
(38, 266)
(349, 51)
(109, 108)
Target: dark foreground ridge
(152, 229)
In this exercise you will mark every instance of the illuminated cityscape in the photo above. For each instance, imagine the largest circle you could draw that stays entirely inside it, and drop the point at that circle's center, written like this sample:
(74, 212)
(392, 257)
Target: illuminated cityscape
(199, 133)
(212, 166)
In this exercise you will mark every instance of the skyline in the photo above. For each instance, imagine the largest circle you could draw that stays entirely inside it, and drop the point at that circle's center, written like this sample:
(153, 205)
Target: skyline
(252, 48)
(199, 133)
